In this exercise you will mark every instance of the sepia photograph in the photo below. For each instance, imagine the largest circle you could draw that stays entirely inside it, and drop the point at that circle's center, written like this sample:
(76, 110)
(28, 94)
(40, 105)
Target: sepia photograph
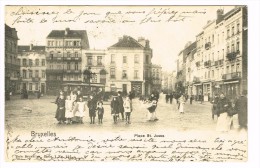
(126, 83)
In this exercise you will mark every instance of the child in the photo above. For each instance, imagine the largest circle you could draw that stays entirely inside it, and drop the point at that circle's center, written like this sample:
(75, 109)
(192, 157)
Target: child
(68, 107)
(92, 105)
(81, 108)
(100, 111)
(128, 109)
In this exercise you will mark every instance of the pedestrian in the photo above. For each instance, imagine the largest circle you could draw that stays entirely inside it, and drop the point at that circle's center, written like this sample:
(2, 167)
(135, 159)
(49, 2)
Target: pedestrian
(120, 104)
(79, 95)
(191, 99)
(92, 105)
(241, 109)
(224, 120)
(181, 102)
(81, 110)
(68, 110)
(128, 109)
(60, 112)
(171, 97)
(100, 111)
(167, 97)
(152, 105)
(114, 109)
(214, 105)
(73, 96)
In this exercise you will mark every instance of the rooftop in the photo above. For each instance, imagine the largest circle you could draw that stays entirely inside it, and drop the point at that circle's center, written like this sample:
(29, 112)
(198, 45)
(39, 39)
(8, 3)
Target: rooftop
(67, 33)
(26, 48)
(127, 42)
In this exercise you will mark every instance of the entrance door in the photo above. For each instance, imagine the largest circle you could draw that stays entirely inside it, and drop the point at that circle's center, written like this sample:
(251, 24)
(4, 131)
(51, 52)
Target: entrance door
(42, 88)
(124, 89)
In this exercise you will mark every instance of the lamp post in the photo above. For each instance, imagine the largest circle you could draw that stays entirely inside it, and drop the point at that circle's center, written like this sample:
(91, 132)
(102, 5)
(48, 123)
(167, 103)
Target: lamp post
(88, 75)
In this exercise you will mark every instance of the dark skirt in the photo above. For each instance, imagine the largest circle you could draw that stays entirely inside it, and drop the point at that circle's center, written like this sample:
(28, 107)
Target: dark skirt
(152, 109)
(60, 114)
(92, 113)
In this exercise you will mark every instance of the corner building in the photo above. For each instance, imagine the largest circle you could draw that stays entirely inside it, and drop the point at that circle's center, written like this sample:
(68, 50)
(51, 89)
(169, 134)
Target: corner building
(129, 66)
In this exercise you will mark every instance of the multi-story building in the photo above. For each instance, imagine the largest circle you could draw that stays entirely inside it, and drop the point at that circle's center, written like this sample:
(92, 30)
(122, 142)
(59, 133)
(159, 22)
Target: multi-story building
(129, 66)
(157, 77)
(33, 68)
(64, 49)
(12, 67)
(221, 56)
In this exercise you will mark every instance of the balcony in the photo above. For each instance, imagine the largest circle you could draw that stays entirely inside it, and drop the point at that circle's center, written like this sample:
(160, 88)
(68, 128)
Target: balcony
(54, 71)
(72, 58)
(72, 71)
(207, 63)
(196, 79)
(220, 62)
(198, 64)
(231, 56)
(36, 79)
(229, 76)
(207, 45)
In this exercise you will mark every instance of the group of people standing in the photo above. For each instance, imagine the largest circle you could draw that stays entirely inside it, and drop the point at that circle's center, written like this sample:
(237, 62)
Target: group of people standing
(225, 109)
(73, 109)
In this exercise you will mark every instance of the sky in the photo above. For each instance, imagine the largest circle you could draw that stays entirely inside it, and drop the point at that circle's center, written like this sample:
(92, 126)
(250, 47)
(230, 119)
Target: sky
(168, 28)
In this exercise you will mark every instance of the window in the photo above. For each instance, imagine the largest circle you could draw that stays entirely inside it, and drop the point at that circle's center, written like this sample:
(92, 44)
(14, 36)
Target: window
(89, 60)
(68, 54)
(43, 74)
(75, 43)
(30, 73)
(233, 30)
(238, 66)
(213, 38)
(237, 46)
(51, 55)
(76, 66)
(68, 66)
(124, 59)
(37, 62)
(218, 56)
(212, 73)
(24, 62)
(232, 68)
(233, 47)
(36, 86)
(76, 54)
(205, 75)
(238, 25)
(218, 38)
(99, 60)
(227, 70)
(36, 73)
(24, 74)
(136, 59)
(147, 59)
(228, 33)
(30, 62)
(76, 77)
(112, 73)
(208, 74)
(30, 86)
(113, 58)
(227, 49)
(124, 74)
(223, 53)
(222, 36)
(43, 62)
(136, 74)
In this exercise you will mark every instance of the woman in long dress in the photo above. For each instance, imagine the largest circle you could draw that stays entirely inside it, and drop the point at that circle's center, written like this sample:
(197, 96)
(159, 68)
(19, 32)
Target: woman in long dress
(68, 108)
(81, 109)
(60, 113)
(224, 120)
(181, 103)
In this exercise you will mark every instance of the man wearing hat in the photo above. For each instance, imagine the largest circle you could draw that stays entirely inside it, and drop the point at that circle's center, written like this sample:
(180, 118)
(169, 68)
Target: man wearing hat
(241, 108)
(120, 104)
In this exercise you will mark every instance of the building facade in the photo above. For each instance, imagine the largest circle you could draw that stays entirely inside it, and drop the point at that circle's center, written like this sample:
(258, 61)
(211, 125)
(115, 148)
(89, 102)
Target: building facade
(220, 60)
(64, 49)
(33, 68)
(12, 66)
(157, 77)
(128, 63)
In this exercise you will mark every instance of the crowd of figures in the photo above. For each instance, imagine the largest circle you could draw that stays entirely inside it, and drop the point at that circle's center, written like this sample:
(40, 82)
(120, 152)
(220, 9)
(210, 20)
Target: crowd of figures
(73, 108)
(225, 109)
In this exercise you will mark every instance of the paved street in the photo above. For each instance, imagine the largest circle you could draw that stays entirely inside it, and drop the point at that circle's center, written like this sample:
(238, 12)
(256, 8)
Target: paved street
(196, 117)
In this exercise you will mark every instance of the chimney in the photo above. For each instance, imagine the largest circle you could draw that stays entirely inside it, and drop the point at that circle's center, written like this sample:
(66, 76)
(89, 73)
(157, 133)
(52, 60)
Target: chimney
(220, 13)
(31, 47)
(142, 41)
(147, 44)
(67, 31)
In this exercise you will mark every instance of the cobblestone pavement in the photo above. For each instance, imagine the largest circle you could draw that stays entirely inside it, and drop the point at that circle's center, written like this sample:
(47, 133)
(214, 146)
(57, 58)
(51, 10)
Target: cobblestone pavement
(196, 117)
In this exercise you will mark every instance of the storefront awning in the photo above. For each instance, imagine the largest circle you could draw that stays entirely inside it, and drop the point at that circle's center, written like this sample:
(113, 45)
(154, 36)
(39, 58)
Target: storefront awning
(231, 82)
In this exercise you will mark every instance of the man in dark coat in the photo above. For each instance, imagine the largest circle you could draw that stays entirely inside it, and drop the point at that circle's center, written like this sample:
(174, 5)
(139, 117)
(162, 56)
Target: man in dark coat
(120, 104)
(241, 109)
(114, 108)
(92, 105)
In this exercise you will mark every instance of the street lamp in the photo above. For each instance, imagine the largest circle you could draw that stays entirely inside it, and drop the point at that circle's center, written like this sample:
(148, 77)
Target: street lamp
(88, 75)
